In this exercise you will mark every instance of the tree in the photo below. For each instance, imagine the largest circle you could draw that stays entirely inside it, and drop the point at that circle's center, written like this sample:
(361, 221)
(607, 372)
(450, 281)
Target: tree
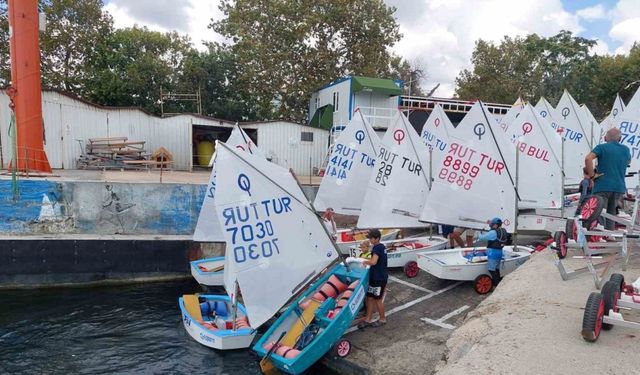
(134, 64)
(5, 61)
(528, 67)
(74, 28)
(411, 73)
(214, 73)
(286, 49)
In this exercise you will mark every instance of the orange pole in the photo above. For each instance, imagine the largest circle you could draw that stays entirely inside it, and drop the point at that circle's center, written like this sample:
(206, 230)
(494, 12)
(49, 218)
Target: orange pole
(25, 93)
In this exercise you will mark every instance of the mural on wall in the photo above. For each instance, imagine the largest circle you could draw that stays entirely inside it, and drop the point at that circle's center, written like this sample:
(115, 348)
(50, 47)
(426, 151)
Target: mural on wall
(117, 213)
(38, 207)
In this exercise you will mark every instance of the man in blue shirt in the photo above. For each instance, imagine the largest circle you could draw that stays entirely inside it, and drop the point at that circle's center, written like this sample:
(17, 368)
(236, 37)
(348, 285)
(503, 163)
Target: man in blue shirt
(377, 280)
(613, 159)
(496, 238)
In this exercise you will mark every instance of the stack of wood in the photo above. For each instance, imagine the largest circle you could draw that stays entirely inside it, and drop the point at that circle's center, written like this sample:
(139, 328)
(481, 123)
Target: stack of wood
(112, 152)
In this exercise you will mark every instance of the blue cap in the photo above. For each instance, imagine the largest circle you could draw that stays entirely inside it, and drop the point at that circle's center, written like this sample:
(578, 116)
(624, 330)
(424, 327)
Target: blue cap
(496, 220)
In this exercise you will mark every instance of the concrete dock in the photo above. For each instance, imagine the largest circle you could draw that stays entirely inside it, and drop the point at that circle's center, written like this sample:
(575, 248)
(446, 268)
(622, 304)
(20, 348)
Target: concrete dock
(531, 324)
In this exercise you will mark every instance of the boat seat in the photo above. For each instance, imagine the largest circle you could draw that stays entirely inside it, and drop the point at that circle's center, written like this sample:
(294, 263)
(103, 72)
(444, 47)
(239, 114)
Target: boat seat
(192, 305)
(304, 319)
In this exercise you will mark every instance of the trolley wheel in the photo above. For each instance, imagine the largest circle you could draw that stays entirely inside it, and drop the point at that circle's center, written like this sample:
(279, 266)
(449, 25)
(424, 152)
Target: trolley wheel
(591, 209)
(411, 269)
(561, 244)
(342, 348)
(618, 278)
(592, 319)
(483, 284)
(569, 229)
(610, 295)
(592, 238)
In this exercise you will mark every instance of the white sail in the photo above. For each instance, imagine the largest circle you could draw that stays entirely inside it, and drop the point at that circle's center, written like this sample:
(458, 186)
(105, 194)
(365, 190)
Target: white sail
(241, 141)
(349, 167)
(512, 113)
(399, 183)
(593, 126)
(435, 134)
(577, 142)
(634, 104)
(275, 242)
(208, 227)
(540, 174)
(472, 183)
(617, 109)
(546, 111)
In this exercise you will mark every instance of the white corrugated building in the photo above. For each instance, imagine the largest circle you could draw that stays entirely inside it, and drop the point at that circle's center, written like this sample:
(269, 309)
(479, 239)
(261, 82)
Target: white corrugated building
(70, 122)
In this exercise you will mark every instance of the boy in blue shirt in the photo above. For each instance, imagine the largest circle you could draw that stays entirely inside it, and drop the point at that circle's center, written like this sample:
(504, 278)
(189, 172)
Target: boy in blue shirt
(496, 238)
(377, 280)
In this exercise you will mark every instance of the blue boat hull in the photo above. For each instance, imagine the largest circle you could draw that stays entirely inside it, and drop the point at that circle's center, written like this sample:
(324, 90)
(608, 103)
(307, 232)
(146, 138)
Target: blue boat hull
(332, 329)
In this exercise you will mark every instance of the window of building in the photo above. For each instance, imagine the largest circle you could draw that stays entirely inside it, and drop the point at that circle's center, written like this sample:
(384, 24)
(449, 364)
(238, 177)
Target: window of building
(336, 101)
(306, 136)
(317, 103)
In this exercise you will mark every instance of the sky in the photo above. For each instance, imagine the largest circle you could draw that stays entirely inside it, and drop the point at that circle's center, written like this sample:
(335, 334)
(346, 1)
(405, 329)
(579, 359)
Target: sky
(438, 35)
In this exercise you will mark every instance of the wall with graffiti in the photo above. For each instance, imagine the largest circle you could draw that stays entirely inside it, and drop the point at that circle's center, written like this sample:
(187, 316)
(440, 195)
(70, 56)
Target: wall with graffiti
(99, 208)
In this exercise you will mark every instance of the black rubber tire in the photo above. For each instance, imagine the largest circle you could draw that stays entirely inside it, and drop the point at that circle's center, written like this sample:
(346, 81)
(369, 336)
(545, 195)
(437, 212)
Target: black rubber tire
(610, 294)
(342, 351)
(618, 278)
(568, 228)
(593, 312)
(561, 245)
(599, 205)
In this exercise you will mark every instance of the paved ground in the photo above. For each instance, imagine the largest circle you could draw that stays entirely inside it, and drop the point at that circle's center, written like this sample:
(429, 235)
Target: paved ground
(531, 325)
(407, 344)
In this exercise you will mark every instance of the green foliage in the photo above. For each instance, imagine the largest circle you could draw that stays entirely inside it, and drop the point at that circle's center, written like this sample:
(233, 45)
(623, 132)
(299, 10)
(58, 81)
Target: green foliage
(285, 49)
(132, 65)
(528, 67)
(5, 62)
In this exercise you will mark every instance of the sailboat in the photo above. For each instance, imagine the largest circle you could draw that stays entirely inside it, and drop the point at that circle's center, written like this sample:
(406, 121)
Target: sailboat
(209, 272)
(629, 124)
(276, 247)
(578, 138)
(397, 190)
(473, 183)
(617, 109)
(343, 185)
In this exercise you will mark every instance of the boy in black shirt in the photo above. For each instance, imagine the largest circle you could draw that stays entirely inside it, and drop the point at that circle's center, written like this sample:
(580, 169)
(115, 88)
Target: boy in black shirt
(377, 280)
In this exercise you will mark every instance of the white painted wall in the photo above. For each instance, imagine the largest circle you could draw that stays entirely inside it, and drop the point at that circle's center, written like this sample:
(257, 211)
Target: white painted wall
(68, 119)
(341, 116)
(281, 141)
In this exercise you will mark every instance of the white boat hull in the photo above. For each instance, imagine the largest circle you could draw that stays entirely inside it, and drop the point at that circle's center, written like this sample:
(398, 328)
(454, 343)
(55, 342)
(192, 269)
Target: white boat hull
(452, 265)
(221, 339)
(344, 246)
(406, 249)
(208, 278)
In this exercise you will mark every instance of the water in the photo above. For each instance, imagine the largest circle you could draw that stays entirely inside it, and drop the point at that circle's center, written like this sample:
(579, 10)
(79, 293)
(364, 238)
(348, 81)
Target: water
(133, 329)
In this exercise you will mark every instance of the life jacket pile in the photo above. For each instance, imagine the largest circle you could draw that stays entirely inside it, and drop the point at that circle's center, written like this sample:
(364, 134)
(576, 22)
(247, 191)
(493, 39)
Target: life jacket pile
(330, 289)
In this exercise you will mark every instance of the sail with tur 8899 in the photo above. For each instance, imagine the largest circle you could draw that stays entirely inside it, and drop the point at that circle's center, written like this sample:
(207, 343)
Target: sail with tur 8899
(473, 182)
(275, 241)
(349, 167)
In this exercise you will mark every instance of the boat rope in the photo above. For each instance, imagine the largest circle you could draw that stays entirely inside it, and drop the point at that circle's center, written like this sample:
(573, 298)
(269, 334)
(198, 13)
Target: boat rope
(495, 141)
(366, 128)
(244, 138)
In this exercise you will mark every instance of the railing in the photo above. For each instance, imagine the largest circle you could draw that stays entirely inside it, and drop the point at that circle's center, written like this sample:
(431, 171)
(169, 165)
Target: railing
(418, 103)
(378, 117)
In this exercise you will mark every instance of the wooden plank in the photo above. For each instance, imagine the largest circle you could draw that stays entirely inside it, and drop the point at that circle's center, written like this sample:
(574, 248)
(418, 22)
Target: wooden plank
(301, 323)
